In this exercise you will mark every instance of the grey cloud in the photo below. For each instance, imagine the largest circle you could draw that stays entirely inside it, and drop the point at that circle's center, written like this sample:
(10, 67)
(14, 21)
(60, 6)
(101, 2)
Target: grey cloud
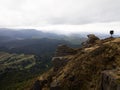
(32, 12)
(96, 11)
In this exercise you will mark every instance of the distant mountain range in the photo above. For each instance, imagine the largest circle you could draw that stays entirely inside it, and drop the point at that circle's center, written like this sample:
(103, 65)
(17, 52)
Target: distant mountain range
(26, 33)
(11, 34)
(21, 34)
(32, 46)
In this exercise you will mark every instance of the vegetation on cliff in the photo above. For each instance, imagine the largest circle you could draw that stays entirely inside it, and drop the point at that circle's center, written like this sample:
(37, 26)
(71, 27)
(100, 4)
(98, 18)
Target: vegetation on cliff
(82, 69)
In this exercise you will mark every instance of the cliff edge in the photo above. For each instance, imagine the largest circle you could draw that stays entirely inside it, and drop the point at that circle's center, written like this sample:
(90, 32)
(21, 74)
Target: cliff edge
(91, 67)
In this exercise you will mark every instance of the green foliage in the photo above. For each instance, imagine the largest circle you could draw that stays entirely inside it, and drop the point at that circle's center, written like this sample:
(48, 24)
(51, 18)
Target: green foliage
(17, 70)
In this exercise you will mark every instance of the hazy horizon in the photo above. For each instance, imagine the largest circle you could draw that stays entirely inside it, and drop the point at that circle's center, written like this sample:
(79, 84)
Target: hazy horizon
(61, 16)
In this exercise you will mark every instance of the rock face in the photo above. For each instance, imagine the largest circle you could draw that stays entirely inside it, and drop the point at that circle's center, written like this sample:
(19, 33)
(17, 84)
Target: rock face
(110, 80)
(59, 60)
(92, 38)
(64, 50)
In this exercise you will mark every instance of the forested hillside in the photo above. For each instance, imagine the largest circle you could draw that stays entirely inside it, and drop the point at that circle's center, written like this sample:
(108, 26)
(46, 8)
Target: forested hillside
(24, 57)
(23, 60)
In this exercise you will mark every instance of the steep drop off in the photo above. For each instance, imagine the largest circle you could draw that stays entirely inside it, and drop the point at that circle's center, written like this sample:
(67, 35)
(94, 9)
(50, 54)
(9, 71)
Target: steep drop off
(95, 66)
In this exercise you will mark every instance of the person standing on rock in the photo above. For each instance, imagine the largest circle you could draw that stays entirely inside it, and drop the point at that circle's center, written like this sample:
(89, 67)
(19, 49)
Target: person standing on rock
(111, 32)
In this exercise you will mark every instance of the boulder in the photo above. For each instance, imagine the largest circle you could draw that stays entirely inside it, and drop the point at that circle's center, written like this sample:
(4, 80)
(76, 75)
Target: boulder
(92, 39)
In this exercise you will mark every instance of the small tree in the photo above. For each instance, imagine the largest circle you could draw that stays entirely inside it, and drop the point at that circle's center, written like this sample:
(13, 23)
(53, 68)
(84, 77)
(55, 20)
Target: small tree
(111, 32)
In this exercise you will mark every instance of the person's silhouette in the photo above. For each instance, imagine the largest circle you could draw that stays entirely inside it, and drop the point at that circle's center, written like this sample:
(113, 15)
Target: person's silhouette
(111, 32)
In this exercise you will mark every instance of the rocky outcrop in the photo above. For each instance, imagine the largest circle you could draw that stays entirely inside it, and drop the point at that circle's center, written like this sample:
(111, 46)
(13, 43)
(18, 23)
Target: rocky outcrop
(64, 50)
(80, 69)
(110, 80)
(92, 38)
(59, 60)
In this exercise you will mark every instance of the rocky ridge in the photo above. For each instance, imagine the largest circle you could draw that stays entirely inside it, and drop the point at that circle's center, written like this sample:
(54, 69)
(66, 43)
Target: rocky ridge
(85, 68)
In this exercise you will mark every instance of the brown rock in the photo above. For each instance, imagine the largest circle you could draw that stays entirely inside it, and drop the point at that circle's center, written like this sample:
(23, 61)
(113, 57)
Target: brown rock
(64, 50)
(92, 38)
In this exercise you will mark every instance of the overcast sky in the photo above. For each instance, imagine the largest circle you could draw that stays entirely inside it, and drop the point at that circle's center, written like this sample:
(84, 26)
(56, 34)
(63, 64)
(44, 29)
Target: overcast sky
(61, 16)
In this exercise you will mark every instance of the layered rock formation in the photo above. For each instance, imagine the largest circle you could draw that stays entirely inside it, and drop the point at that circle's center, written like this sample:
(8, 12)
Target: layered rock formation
(85, 68)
